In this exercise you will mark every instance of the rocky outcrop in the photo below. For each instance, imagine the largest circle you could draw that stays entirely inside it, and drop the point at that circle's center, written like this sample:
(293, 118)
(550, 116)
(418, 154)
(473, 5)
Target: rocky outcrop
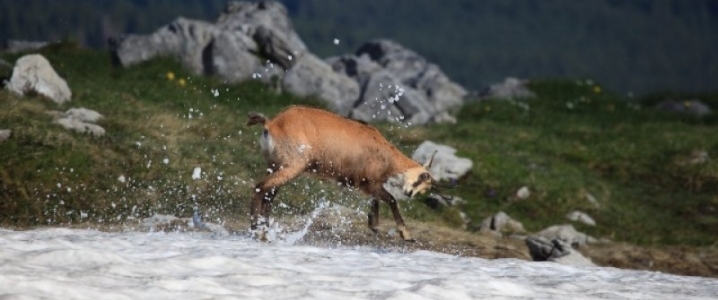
(383, 81)
(232, 56)
(34, 74)
(310, 76)
(267, 23)
(230, 48)
(184, 39)
(398, 85)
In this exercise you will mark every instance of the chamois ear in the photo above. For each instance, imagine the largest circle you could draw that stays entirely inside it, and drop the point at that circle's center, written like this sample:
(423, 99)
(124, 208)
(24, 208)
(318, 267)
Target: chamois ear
(427, 165)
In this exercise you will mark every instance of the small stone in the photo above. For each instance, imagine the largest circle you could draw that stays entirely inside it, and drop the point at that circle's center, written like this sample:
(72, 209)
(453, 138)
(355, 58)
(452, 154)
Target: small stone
(582, 217)
(523, 193)
(5, 134)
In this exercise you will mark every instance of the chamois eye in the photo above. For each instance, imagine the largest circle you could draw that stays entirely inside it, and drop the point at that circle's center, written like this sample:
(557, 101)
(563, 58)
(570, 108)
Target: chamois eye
(424, 177)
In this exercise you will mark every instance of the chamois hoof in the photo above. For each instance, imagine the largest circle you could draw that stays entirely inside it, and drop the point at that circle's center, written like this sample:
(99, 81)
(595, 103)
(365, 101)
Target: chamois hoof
(258, 234)
(407, 237)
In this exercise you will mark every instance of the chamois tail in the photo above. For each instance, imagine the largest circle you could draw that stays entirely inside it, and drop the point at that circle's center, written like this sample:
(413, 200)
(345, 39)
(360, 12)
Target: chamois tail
(256, 118)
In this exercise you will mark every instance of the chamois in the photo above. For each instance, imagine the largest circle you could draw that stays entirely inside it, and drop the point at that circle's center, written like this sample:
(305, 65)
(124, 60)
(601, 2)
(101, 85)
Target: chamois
(308, 140)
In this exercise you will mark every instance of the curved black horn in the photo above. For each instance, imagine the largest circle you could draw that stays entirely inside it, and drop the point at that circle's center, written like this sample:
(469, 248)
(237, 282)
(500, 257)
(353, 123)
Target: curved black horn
(427, 165)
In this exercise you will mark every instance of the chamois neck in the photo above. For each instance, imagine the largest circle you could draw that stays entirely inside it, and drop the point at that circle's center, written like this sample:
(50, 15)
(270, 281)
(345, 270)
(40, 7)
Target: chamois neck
(404, 163)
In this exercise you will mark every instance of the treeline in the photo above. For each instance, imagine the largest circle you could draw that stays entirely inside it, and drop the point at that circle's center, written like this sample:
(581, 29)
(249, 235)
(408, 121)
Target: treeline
(629, 45)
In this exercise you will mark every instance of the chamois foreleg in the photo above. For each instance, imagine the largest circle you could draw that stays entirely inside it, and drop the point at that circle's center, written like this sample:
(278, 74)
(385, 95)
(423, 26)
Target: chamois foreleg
(374, 215)
(264, 192)
(400, 226)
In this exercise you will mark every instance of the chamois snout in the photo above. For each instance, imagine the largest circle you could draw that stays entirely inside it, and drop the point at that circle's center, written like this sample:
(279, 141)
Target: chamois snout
(417, 181)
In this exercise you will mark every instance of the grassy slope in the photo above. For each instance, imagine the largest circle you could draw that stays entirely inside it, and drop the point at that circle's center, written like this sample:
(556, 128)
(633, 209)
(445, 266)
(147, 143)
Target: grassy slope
(50, 175)
(631, 160)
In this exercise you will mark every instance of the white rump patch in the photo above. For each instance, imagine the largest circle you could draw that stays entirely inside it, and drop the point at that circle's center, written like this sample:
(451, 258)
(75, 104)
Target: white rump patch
(266, 142)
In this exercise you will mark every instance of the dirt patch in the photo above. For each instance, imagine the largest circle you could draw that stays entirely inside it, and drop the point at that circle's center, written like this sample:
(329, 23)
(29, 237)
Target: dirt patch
(333, 227)
(692, 261)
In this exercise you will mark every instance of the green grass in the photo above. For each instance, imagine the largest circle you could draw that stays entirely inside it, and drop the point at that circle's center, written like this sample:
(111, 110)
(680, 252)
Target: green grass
(573, 140)
(52, 176)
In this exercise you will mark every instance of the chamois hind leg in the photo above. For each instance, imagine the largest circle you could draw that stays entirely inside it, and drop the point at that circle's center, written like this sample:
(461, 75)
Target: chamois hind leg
(400, 226)
(374, 215)
(265, 191)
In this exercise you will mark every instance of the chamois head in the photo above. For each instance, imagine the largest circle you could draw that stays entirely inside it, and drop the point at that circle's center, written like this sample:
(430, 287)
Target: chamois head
(418, 180)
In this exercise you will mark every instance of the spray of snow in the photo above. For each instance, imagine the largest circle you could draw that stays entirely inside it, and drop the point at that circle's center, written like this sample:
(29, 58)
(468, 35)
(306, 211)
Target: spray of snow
(55, 263)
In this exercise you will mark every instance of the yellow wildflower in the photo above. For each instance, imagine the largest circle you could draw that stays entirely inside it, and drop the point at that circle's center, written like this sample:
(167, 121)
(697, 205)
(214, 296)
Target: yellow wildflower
(170, 76)
(597, 89)
(182, 82)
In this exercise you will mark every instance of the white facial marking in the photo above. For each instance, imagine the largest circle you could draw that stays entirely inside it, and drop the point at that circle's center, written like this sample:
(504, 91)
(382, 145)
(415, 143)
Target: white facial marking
(394, 186)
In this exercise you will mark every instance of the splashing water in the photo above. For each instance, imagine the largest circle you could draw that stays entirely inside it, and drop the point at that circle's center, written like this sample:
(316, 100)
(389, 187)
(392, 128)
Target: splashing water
(288, 239)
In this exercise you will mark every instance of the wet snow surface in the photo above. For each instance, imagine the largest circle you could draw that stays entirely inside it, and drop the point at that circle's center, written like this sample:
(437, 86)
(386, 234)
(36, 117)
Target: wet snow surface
(85, 264)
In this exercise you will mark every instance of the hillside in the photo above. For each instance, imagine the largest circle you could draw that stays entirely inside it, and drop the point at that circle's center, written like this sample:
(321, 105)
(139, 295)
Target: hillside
(637, 46)
(650, 173)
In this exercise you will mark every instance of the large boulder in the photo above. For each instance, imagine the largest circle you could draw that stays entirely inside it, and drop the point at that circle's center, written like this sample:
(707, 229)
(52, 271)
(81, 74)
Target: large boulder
(268, 23)
(446, 165)
(384, 99)
(184, 39)
(311, 76)
(398, 85)
(415, 71)
(383, 82)
(230, 48)
(555, 250)
(233, 56)
(233, 48)
(33, 73)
